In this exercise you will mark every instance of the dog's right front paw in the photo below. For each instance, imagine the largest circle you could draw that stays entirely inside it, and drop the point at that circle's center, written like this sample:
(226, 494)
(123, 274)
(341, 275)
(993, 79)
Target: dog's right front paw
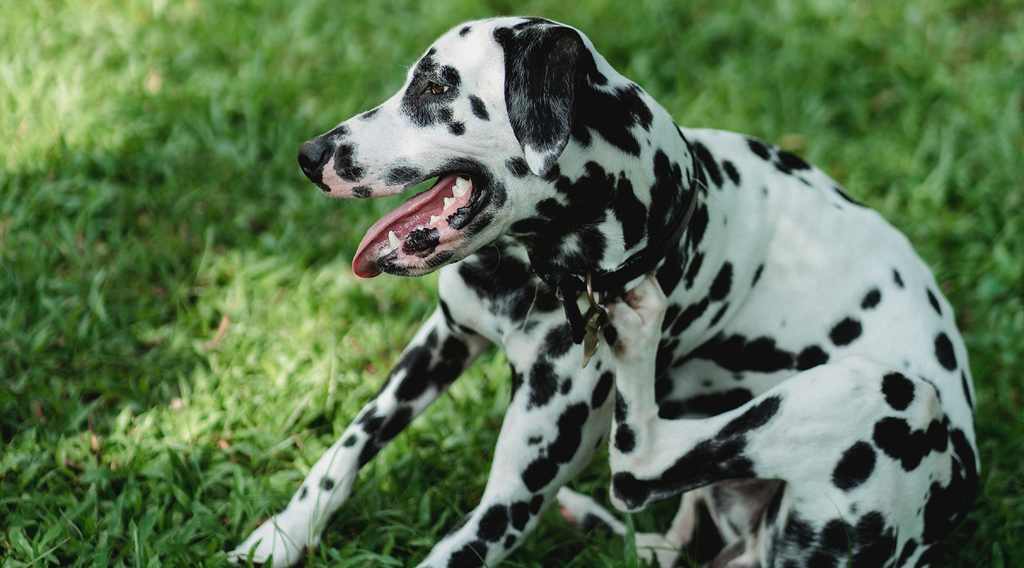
(272, 544)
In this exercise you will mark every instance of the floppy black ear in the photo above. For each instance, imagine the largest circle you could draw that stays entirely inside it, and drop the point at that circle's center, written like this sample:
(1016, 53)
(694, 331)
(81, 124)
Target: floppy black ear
(544, 63)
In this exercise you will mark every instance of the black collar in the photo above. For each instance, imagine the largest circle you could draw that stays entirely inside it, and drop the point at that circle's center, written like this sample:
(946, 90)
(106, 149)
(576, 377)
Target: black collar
(612, 283)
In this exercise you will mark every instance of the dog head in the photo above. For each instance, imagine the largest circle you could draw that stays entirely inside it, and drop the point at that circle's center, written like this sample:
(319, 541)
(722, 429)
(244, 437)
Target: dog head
(513, 117)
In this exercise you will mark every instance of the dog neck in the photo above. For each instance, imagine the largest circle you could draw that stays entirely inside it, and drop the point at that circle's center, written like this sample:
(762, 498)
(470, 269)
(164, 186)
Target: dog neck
(620, 268)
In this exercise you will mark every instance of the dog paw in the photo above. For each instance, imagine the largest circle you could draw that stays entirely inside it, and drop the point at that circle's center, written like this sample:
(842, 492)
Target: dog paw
(271, 545)
(637, 317)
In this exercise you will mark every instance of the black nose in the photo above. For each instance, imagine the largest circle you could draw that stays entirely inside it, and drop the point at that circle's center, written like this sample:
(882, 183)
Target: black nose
(312, 156)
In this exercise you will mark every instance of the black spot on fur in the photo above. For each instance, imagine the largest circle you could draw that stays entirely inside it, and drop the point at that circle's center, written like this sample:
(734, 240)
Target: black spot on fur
(665, 194)
(557, 342)
(543, 383)
(629, 212)
(898, 390)
(457, 128)
(370, 422)
(469, 556)
(304, 493)
(465, 31)
(542, 470)
(757, 275)
(621, 408)
(394, 425)
(520, 515)
(897, 278)
(944, 352)
(947, 506)
(875, 544)
(613, 114)
(517, 166)
(402, 175)
(845, 332)
(965, 384)
(478, 107)
(600, 394)
(536, 503)
(493, 524)
(539, 473)
(420, 374)
(718, 316)
(737, 353)
(894, 437)
(722, 283)
(730, 170)
(934, 302)
(846, 196)
(705, 404)
(694, 268)
(811, 357)
(698, 226)
(362, 191)
(790, 162)
(689, 315)
(708, 161)
(671, 272)
(855, 467)
(835, 536)
(754, 418)
(327, 484)
(625, 439)
(871, 299)
(345, 165)
(350, 441)
(517, 380)
(760, 148)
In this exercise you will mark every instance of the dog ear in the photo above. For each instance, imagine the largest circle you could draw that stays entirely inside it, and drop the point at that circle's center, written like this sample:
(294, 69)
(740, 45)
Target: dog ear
(544, 64)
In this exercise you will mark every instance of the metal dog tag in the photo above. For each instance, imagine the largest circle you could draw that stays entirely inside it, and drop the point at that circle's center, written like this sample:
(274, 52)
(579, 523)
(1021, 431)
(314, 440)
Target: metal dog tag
(597, 318)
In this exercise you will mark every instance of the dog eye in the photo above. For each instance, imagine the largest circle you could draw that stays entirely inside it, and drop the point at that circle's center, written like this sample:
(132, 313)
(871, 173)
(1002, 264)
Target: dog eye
(436, 88)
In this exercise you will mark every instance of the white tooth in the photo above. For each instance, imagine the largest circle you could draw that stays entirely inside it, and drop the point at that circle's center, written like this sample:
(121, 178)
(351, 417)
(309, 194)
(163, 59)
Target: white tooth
(434, 219)
(462, 185)
(448, 201)
(393, 239)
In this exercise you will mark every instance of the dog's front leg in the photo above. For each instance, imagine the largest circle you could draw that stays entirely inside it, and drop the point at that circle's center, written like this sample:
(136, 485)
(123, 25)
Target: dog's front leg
(435, 357)
(558, 417)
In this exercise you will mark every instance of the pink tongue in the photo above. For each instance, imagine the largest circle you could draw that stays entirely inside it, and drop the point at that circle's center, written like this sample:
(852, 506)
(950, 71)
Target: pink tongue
(408, 216)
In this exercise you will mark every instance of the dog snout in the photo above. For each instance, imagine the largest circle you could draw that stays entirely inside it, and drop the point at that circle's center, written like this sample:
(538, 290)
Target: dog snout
(312, 155)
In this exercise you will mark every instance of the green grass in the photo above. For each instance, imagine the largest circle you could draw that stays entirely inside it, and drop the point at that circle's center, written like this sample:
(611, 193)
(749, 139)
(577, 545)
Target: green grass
(180, 332)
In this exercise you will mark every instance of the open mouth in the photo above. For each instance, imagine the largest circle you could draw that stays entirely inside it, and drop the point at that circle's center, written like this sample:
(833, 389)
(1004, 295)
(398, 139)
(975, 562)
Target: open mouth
(427, 225)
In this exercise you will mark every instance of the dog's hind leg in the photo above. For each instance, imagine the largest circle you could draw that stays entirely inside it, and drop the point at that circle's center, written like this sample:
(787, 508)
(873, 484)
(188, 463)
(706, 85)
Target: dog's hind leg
(873, 468)
(435, 357)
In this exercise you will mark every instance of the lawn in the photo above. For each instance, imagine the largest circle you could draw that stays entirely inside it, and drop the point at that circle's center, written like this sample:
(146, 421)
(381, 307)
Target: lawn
(181, 335)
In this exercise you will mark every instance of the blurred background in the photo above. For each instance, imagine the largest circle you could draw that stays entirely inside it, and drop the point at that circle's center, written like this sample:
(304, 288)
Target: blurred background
(181, 335)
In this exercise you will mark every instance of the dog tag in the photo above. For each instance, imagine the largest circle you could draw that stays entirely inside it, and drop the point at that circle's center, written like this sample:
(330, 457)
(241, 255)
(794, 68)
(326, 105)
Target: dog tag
(597, 318)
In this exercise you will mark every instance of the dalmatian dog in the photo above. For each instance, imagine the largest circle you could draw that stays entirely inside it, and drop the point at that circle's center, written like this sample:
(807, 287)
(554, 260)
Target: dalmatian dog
(722, 315)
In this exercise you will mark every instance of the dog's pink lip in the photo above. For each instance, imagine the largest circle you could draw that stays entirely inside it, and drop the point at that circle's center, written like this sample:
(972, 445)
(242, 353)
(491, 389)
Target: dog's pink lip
(414, 214)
